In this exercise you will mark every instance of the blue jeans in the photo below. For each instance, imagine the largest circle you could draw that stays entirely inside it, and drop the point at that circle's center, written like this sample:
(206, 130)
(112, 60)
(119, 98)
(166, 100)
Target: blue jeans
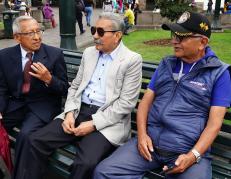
(127, 163)
(88, 10)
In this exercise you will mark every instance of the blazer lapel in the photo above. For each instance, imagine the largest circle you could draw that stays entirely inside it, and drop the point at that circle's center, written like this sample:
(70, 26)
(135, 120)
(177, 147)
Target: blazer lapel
(113, 72)
(90, 65)
(40, 55)
(15, 67)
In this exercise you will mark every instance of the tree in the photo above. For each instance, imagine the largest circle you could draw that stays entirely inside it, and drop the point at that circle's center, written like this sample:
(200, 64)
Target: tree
(172, 9)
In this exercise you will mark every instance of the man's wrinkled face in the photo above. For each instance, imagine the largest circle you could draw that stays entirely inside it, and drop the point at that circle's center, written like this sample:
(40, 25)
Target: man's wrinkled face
(107, 41)
(188, 47)
(30, 36)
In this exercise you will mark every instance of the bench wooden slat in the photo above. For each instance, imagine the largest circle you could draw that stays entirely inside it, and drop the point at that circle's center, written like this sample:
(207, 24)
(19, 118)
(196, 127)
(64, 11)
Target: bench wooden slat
(221, 151)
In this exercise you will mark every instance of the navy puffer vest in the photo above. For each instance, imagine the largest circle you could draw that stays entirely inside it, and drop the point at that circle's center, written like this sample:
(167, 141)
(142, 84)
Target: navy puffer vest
(180, 110)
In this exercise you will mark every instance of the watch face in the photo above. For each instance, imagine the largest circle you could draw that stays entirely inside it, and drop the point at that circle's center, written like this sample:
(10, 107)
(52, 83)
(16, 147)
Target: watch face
(198, 159)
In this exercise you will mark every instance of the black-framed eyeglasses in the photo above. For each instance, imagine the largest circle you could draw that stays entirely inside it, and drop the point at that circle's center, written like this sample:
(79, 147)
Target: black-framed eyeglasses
(32, 33)
(182, 38)
(100, 31)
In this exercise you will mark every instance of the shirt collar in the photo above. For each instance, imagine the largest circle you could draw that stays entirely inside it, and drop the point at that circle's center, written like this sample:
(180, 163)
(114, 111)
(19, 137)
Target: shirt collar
(24, 52)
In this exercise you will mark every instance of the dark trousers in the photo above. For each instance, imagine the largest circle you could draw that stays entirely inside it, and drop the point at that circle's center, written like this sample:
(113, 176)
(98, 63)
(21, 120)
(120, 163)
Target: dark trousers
(79, 18)
(29, 123)
(91, 149)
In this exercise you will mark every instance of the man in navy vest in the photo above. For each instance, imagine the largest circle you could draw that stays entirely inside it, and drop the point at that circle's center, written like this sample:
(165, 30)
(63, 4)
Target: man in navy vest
(181, 112)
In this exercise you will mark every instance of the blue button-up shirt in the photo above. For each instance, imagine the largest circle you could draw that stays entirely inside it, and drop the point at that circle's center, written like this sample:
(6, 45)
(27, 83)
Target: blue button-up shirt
(95, 92)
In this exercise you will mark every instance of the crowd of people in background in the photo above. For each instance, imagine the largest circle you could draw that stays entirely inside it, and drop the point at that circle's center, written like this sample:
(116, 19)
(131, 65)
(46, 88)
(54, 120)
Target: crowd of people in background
(128, 9)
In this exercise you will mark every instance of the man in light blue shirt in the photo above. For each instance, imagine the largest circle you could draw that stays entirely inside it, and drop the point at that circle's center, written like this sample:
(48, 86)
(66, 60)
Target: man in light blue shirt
(95, 91)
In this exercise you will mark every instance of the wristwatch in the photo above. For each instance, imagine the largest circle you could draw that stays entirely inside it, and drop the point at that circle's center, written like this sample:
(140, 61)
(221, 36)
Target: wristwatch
(197, 155)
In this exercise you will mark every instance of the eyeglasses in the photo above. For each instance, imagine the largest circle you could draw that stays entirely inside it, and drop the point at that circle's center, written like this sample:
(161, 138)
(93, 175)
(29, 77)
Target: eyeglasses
(182, 38)
(100, 31)
(32, 34)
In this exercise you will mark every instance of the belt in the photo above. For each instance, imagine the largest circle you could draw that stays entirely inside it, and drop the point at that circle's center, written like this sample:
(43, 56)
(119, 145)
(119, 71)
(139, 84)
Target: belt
(90, 106)
(164, 153)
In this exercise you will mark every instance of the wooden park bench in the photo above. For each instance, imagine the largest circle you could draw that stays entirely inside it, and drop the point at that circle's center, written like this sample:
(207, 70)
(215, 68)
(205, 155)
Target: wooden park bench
(61, 160)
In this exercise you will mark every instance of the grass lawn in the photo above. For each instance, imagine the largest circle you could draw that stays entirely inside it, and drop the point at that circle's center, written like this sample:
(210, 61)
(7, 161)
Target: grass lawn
(220, 43)
(1, 25)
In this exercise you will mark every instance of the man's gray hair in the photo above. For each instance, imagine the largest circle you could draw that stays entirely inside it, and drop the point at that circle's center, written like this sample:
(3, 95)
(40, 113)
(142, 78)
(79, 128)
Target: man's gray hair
(116, 19)
(16, 24)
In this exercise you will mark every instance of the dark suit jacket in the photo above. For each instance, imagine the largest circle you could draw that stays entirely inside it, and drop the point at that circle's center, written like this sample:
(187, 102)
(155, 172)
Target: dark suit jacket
(44, 101)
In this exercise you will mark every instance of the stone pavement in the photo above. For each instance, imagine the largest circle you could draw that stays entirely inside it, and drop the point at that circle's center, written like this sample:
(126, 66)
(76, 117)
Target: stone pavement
(52, 37)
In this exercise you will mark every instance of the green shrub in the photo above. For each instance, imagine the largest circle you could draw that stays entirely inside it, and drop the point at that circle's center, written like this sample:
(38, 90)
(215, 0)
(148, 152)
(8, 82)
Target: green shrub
(172, 9)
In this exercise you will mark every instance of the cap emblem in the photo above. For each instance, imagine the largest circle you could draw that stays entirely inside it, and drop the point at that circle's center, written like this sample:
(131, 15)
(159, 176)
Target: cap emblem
(184, 17)
(204, 26)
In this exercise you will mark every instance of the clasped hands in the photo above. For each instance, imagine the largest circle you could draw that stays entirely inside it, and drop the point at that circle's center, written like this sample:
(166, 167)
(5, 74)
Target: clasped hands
(145, 147)
(83, 129)
(41, 72)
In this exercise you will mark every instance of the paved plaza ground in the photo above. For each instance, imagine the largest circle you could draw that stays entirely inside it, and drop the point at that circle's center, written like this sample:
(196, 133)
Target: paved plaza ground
(52, 37)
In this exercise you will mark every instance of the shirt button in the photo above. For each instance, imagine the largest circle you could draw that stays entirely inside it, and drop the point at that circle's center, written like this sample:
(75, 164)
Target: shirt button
(99, 78)
(102, 64)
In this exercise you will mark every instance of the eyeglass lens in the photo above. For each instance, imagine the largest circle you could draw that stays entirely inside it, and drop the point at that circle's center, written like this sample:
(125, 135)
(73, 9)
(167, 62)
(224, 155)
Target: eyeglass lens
(178, 38)
(100, 31)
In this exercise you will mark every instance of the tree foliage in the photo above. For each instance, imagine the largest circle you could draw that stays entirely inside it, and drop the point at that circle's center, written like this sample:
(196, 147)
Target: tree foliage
(172, 9)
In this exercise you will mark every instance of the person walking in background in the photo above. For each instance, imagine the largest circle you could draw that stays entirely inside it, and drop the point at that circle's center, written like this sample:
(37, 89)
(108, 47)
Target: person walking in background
(107, 6)
(128, 18)
(28, 11)
(33, 79)
(48, 14)
(210, 4)
(89, 5)
(136, 10)
(79, 9)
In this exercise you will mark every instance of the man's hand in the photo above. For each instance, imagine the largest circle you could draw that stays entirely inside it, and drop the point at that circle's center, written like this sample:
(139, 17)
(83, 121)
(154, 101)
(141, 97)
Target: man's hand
(41, 72)
(145, 146)
(69, 123)
(183, 162)
(0, 115)
(84, 128)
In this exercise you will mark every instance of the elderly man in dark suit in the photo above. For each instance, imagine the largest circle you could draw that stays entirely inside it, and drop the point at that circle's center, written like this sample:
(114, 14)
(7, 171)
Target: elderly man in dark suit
(33, 79)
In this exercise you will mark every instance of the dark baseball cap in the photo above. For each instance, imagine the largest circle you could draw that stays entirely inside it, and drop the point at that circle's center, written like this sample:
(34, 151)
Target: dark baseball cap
(190, 23)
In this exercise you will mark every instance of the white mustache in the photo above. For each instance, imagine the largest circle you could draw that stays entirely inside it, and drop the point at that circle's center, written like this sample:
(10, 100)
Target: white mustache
(98, 41)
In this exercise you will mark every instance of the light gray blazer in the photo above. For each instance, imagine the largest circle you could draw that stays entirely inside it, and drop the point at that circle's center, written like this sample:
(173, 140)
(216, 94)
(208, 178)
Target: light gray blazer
(123, 83)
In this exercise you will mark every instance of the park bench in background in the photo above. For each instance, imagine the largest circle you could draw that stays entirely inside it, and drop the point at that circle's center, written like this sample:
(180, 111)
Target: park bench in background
(62, 159)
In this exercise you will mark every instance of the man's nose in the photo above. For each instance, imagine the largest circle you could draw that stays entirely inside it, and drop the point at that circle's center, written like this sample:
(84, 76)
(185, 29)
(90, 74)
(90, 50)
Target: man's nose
(36, 36)
(174, 40)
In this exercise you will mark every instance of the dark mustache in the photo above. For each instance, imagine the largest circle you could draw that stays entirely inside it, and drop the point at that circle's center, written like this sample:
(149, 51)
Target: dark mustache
(98, 41)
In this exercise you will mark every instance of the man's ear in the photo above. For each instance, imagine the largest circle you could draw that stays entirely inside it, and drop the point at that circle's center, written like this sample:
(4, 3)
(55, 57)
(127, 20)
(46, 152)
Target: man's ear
(17, 38)
(204, 42)
(119, 35)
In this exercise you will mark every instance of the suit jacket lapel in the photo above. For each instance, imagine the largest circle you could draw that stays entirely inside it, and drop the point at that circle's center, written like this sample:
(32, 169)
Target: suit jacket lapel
(15, 67)
(90, 65)
(40, 55)
(112, 72)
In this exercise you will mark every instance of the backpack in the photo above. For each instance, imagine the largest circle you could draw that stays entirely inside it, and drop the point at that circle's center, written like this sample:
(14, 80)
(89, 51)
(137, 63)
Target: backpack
(79, 5)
